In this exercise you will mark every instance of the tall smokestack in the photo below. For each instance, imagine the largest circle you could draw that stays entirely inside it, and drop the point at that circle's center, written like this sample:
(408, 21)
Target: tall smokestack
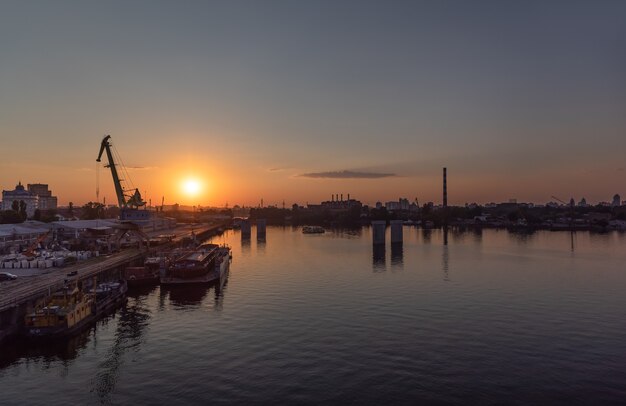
(445, 188)
(348, 196)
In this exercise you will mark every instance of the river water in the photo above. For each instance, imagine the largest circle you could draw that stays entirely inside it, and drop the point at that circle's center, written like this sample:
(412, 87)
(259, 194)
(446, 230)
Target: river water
(485, 317)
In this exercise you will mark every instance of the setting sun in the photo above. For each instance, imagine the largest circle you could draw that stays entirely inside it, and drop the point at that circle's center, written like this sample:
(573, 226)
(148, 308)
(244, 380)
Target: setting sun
(191, 187)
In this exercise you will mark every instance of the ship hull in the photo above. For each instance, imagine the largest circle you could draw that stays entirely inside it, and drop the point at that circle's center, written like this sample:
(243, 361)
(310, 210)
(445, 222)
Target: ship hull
(99, 309)
(218, 271)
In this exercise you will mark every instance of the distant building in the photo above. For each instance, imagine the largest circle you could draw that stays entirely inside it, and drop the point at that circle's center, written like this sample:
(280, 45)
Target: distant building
(616, 201)
(46, 201)
(20, 194)
(391, 206)
(401, 204)
(582, 203)
(337, 204)
(379, 205)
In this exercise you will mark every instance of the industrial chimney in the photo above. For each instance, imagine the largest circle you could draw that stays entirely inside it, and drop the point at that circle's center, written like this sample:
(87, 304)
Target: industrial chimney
(445, 188)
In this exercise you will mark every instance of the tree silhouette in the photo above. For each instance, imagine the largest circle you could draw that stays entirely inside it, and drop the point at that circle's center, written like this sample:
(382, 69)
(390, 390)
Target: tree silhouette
(22, 210)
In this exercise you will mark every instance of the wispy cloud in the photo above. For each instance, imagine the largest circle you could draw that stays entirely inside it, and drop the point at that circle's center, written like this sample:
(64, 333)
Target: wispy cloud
(347, 174)
(141, 168)
(277, 169)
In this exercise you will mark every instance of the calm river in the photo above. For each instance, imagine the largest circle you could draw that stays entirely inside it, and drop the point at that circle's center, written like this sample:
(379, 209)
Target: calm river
(485, 317)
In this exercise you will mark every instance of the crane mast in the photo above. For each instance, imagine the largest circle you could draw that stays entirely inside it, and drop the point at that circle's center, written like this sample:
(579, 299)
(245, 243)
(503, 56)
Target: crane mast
(128, 201)
(119, 191)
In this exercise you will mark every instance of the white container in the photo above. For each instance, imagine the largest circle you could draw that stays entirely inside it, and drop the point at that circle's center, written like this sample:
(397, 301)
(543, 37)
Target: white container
(49, 263)
(24, 263)
(41, 264)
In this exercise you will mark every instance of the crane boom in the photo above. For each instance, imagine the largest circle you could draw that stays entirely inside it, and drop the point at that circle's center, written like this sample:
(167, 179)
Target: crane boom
(559, 200)
(119, 191)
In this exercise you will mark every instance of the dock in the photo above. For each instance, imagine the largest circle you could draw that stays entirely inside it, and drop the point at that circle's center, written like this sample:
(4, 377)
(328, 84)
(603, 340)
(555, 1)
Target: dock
(19, 297)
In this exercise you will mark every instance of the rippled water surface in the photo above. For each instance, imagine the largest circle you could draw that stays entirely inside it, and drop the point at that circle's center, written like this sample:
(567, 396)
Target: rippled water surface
(478, 317)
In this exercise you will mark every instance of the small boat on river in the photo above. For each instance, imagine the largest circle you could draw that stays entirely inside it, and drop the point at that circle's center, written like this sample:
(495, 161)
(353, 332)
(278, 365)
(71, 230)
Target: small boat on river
(313, 230)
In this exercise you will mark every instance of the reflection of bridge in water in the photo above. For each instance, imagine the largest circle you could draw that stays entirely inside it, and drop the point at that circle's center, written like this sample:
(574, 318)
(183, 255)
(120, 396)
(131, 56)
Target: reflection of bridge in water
(397, 256)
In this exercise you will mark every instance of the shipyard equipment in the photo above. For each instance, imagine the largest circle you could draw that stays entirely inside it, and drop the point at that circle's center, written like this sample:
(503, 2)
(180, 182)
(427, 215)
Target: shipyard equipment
(128, 200)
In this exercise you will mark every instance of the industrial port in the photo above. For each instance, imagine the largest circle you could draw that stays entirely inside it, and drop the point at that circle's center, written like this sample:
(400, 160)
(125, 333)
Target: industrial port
(71, 262)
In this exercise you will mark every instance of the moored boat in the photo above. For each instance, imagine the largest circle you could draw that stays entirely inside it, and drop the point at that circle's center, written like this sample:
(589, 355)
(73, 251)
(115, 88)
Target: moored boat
(66, 312)
(222, 262)
(313, 230)
(69, 310)
(196, 266)
(108, 296)
(147, 274)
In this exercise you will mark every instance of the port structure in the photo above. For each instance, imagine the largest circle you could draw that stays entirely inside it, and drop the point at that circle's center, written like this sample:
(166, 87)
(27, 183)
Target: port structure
(128, 200)
(22, 296)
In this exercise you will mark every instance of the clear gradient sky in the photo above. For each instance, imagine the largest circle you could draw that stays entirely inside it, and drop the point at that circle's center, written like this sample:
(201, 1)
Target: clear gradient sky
(297, 100)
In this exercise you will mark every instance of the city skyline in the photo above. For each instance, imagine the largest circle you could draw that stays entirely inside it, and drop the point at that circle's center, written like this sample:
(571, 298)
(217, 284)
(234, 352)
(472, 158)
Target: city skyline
(300, 101)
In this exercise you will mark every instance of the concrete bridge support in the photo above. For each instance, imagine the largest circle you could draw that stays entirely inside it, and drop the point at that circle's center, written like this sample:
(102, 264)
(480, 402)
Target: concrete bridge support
(378, 232)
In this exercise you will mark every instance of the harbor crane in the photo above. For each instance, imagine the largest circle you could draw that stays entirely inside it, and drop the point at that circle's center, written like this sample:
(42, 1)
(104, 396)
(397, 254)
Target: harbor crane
(124, 200)
(571, 218)
(129, 201)
(571, 204)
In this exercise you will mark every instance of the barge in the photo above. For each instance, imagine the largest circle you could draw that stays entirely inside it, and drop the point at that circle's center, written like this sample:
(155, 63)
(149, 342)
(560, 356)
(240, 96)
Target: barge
(206, 264)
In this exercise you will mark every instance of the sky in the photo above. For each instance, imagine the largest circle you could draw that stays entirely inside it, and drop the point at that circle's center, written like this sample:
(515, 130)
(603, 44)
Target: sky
(297, 100)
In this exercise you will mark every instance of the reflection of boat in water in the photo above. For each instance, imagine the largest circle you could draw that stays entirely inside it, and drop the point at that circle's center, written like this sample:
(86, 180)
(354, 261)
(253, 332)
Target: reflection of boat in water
(148, 274)
(185, 295)
(64, 350)
(206, 264)
(313, 230)
(68, 310)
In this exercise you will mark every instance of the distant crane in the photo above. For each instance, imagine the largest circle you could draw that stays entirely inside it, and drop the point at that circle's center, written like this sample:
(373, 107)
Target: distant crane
(571, 203)
(571, 218)
(125, 199)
